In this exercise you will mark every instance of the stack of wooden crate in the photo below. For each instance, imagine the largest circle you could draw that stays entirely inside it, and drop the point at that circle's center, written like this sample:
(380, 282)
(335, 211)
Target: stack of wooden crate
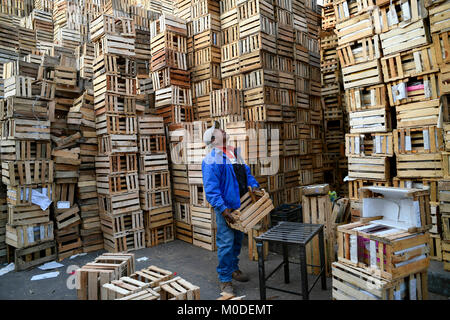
(115, 88)
(68, 23)
(204, 41)
(3, 221)
(42, 23)
(82, 117)
(154, 180)
(27, 168)
(385, 255)
(173, 99)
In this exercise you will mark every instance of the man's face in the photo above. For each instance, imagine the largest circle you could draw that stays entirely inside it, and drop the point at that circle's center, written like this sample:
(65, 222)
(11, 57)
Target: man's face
(220, 137)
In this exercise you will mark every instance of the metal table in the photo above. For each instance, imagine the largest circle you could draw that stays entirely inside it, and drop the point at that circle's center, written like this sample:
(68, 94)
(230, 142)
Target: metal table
(291, 233)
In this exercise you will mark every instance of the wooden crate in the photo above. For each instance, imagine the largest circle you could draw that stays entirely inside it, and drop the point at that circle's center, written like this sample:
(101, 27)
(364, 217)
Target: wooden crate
(183, 231)
(152, 275)
(25, 149)
(116, 225)
(16, 107)
(117, 143)
(254, 207)
(25, 129)
(415, 62)
(159, 235)
(111, 44)
(153, 181)
(431, 184)
(27, 258)
(16, 173)
(116, 163)
(168, 40)
(354, 185)
(21, 195)
(354, 283)
(119, 204)
(27, 235)
(405, 38)
(435, 247)
(379, 144)
(438, 15)
(358, 27)
(373, 97)
(257, 23)
(403, 13)
(362, 74)
(179, 289)
(123, 287)
(114, 124)
(158, 216)
(446, 254)
(414, 89)
(369, 168)
(110, 25)
(66, 218)
(117, 183)
(418, 140)
(155, 162)
(418, 114)
(381, 258)
(368, 121)
(225, 101)
(168, 58)
(132, 240)
(420, 165)
(359, 51)
(170, 77)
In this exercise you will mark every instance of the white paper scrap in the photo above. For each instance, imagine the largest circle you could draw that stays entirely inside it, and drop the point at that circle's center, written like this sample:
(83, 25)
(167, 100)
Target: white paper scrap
(40, 199)
(47, 275)
(77, 255)
(8, 268)
(63, 204)
(142, 259)
(51, 265)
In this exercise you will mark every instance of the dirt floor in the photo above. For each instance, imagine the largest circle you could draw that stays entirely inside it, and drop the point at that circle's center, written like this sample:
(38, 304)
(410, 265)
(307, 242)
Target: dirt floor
(194, 264)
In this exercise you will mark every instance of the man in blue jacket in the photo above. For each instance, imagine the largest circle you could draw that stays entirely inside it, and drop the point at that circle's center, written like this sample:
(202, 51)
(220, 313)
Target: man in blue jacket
(226, 179)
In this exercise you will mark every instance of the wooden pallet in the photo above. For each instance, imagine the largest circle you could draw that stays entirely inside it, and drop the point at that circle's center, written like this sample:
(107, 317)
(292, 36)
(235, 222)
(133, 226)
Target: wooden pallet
(179, 289)
(381, 259)
(404, 38)
(369, 168)
(418, 140)
(354, 283)
(368, 121)
(27, 258)
(420, 165)
(418, 114)
(415, 62)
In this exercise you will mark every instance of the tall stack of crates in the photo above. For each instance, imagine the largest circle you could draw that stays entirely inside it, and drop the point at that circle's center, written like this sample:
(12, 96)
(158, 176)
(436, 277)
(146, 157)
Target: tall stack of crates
(115, 89)
(27, 167)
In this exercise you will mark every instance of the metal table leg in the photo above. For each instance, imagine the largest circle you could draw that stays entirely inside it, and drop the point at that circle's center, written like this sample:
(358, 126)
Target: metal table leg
(304, 273)
(262, 276)
(322, 260)
(286, 263)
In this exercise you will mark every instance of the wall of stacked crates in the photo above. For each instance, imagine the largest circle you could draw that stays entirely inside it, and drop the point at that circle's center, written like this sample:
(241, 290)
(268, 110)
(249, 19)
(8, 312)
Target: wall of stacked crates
(394, 66)
(123, 91)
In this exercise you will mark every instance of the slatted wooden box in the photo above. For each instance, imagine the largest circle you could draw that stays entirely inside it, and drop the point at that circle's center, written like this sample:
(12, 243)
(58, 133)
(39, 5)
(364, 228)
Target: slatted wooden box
(112, 124)
(107, 24)
(402, 13)
(418, 114)
(170, 77)
(354, 283)
(172, 96)
(111, 44)
(346, 9)
(25, 129)
(27, 258)
(353, 191)
(373, 97)
(117, 183)
(119, 204)
(359, 51)
(417, 183)
(114, 64)
(179, 289)
(369, 168)
(404, 38)
(362, 74)
(24, 149)
(116, 163)
(418, 140)
(168, 58)
(17, 107)
(257, 23)
(133, 240)
(117, 143)
(155, 198)
(415, 62)
(120, 224)
(413, 89)
(158, 216)
(379, 243)
(358, 27)
(420, 165)
(378, 144)
(439, 18)
(21, 195)
(16, 173)
(203, 227)
(124, 288)
(113, 83)
(27, 235)
(159, 235)
(152, 275)
(155, 162)
(27, 215)
(368, 121)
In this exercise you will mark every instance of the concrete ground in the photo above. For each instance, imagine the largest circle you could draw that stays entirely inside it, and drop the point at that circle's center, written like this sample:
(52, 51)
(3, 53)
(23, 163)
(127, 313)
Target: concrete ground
(194, 264)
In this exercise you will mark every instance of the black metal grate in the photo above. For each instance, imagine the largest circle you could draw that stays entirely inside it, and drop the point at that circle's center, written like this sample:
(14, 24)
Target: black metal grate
(291, 232)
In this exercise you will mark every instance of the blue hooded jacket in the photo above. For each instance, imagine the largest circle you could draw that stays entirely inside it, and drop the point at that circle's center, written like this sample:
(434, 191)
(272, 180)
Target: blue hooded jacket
(220, 182)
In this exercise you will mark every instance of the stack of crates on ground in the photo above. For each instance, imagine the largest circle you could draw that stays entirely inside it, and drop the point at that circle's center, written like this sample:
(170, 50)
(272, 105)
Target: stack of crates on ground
(333, 101)
(203, 43)
(385, 255)
(115, 89)
(71, 26)
(27, 168)
(41, 22)
(17, 8)
(154, 180)
(173, 99)
(440, 31)
(3, 221)
(82, 117)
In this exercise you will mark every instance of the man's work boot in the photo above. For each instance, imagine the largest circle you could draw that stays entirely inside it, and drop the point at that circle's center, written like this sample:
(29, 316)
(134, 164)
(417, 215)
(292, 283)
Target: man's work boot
(226, 287)
(238, 275)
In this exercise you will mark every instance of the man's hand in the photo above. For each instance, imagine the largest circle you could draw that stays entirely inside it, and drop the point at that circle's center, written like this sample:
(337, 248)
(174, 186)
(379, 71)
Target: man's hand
(227, 215)
(256, 189)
